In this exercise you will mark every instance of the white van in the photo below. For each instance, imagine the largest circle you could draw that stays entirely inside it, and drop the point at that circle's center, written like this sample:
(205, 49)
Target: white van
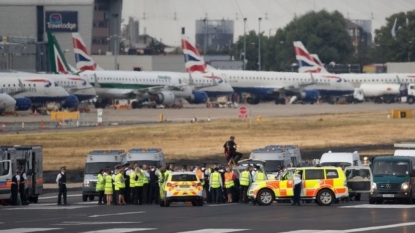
(340, 158)
(404, 153)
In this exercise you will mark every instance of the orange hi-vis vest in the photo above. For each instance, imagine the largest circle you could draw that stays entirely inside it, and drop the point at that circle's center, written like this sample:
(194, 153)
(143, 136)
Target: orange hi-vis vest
(229, 180)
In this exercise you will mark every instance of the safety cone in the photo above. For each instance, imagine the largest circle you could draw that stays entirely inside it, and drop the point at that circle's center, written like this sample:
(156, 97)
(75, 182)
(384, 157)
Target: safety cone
(23, 126)
(4, 127)
(208, 118)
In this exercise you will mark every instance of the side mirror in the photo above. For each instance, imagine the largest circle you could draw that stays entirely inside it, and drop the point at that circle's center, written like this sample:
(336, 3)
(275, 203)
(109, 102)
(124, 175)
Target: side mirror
(81, 174)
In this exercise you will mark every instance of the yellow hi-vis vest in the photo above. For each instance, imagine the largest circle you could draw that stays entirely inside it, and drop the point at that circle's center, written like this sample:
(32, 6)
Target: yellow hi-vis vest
(145, 180)
(100, 183)
(215, 182)
(229, 180)
(133, 175)
(244, 180)
(139, 182)
(119, 181)
(108, 183)
(260, 176)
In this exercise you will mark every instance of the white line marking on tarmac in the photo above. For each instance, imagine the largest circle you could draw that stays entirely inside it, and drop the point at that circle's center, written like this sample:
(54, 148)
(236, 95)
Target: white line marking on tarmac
(103, 215)
(92, 223)
(215, 205)
(121, 230)
(314, 231)
(380, 227)
(55, 197)
(369, 206)
(214, 230)
(27, 230)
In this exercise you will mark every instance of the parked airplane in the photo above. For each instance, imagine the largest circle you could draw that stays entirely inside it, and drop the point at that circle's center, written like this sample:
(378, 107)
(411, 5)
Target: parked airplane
(307, 87)
(201, 83)
(383, 87)
(31, 90)
(6, 102)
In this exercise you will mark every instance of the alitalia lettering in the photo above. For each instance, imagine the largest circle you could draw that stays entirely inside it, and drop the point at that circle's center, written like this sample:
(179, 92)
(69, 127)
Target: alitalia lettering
(70, 26)
(165, 77)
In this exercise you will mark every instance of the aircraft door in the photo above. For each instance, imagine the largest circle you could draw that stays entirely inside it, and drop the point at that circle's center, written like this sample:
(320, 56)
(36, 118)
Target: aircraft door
(6, 174)
(224, 78)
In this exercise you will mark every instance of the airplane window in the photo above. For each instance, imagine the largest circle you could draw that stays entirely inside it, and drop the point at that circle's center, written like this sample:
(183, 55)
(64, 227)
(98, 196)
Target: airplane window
(34, 85)
(9, 85)
(56, 84)
(14, 85)
(24, 85)
(30, 85)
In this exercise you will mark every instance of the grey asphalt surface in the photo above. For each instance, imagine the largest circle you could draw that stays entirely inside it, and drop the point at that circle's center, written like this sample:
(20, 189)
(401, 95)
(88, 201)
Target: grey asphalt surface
(80, 216)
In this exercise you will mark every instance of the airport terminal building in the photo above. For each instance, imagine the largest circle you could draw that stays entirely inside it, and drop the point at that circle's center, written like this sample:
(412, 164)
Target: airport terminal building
(23, 27)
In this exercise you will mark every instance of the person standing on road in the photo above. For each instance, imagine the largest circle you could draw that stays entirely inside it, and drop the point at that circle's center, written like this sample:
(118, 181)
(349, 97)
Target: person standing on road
(215, 186)
(139, 184)
(145, 171)
(154, 186)
(100, 186)
(229, 183)
(259, 175)
(127, 190)
(15, 187)
(120, 183)
(244, 181)
(297, 188)
(108, 186)
(61, 181)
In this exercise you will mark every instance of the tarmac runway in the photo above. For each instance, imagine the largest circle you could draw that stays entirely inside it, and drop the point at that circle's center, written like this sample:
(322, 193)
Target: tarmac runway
(201, 112)
(88, 217)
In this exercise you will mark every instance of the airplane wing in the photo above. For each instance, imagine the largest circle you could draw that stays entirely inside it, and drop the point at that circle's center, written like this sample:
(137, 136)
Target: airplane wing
(197, 87)
(294, 88)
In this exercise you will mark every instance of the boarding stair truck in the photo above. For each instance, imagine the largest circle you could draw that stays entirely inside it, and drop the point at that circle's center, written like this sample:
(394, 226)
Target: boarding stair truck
(147, 156)
(95, 161)
(405, 149)
(338, 159)
(294, 151)
(359, 181)
(30, 158)
(274, 156)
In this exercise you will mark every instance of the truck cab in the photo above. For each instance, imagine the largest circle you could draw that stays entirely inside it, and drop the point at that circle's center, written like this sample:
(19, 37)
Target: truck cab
(6, 174)
(393, 179)
(274, 156)
(95, 161)
(147, 156)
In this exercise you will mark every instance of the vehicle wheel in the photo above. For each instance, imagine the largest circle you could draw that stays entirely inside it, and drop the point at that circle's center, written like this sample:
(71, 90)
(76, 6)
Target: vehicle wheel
(166, 202)
(410, 100)
(265, 197)
(325, 197)
(357, 197)
(371, 201)
(91, 197)
(84, 197)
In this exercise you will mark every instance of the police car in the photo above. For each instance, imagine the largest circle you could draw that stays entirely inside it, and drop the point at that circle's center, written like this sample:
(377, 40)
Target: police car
(181, 187)
(322, 184)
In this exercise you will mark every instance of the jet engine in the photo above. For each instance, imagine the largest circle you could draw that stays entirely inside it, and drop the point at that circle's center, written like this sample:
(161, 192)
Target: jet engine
(197, 97)
(71, 102)
(164, 97)
(23, 104)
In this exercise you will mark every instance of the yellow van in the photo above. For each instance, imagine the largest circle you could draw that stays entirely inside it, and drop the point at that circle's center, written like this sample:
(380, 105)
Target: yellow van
(322, 184)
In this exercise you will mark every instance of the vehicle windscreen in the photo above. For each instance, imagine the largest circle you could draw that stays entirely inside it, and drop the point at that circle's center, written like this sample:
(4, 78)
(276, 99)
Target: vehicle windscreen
(154, 163)
(357, 174)
(391, 168)
(184, 177)
(272, 165)
(93, 168)
(336, 164)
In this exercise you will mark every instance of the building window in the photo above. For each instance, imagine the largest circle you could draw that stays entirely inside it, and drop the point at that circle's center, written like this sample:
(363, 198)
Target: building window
(350, 32)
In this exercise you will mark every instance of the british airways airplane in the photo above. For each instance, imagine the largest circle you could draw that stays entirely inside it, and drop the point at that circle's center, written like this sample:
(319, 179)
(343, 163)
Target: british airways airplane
(193, 88)
(307, 87)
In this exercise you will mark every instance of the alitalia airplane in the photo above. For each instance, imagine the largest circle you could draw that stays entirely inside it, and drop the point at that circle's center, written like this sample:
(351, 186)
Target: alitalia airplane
(307, 87)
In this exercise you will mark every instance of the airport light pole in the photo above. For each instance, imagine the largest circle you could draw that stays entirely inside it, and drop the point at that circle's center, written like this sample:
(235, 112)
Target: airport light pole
(204, 40)
(259, 43)
(245, 43)
(115, 36)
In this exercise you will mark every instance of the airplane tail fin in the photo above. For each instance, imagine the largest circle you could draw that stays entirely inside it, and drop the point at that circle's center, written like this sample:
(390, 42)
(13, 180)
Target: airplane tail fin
(82, 57)
(58, 61)
(316, 59)
(193, 61)
(306, 62)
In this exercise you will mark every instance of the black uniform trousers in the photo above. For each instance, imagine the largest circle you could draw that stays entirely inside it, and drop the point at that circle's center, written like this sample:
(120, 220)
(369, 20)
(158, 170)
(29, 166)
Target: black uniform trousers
(101, 198)
(216, 195)
(15, 192)
(145, 193)
(243, 195)
(140, 194)
(62, 193)
(208, 195)
(297, 194)
(154, 193)
(134, 195)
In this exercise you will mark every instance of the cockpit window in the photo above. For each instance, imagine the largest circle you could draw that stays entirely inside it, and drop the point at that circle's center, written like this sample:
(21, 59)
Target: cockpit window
(56, 84)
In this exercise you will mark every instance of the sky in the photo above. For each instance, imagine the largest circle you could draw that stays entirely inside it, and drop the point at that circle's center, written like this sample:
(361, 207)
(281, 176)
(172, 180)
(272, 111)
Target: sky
(163, 19)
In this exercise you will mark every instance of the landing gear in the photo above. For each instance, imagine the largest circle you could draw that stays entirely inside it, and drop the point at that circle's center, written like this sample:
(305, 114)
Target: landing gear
(280, 101)
(137, 104)
(252, 100)
(101, 103)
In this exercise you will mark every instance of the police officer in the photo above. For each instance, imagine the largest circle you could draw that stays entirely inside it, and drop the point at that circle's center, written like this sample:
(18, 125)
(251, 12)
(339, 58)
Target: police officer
(154, 185)
(259, 175)
(230, 149)
(100, 186)
(145, 183)
(244, 181)
(215, 186)
(127, 190)
(61, 181)
(133, 178)
(297, 188)
(22, 187)
(15, 187)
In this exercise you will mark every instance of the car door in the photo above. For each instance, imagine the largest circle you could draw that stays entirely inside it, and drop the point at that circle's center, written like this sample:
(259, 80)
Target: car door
(359, 179)
(312, 180)
(6, 173)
